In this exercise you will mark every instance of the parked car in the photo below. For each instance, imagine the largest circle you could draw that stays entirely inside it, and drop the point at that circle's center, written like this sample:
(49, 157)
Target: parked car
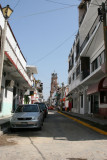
(43, 107)
(27, 116)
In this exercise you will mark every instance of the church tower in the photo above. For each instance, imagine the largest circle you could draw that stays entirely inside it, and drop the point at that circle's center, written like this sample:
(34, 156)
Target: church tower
(54, 83)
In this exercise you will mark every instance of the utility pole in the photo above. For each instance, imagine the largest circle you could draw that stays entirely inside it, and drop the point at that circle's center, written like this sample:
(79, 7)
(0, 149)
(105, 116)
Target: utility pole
(102, 12)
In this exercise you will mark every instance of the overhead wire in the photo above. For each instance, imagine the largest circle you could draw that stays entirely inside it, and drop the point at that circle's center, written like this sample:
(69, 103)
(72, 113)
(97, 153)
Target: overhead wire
(59, 3)
(68, 4)
(55, 48)
(16, 4)
(60, 44)
(44, 12)
(47, 12)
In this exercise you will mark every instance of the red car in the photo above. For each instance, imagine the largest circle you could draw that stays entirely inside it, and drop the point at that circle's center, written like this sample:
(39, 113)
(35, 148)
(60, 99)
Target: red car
(50, 108)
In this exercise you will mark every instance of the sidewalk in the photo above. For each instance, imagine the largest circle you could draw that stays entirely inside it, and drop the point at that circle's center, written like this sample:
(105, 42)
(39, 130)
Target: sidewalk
(97, 122)
(4, 124)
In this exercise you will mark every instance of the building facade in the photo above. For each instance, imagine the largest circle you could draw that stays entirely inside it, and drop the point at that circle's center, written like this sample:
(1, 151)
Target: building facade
(15, 79)
(86, 74)
(54, 86)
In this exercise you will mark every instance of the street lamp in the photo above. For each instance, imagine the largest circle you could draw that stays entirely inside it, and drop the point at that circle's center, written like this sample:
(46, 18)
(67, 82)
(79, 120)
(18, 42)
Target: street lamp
(7, 11)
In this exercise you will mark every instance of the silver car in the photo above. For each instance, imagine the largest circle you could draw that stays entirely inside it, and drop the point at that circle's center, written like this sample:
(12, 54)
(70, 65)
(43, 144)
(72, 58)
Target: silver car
(27, 116)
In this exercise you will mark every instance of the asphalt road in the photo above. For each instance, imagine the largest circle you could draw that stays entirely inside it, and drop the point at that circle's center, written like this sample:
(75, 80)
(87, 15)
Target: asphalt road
(60, 139)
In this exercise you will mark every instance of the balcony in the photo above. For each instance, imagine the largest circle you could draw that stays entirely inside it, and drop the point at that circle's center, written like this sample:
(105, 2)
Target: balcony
(76, 58)
(85, 67)
(83, 7)
(90, 33)
(70, 68)
(82, 18)
(85, 74)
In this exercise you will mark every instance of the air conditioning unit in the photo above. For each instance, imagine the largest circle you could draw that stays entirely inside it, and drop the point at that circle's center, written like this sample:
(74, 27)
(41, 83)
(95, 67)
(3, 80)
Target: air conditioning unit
(9, 84)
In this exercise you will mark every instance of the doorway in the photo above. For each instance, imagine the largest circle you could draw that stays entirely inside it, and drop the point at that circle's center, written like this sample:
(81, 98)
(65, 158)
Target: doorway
(95, 103)
(14, 99)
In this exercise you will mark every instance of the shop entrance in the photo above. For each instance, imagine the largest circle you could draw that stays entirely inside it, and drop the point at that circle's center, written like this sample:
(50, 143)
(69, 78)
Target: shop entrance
(94, 103)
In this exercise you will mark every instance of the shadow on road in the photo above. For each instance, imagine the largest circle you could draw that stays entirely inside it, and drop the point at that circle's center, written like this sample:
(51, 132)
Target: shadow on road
(60, 128)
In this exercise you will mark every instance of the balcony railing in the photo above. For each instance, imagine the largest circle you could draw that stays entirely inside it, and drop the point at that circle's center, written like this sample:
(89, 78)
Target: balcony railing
(76, 58)
(85, 11)
(70, 68)
(82, 18)
(85, 74)
(89, 33)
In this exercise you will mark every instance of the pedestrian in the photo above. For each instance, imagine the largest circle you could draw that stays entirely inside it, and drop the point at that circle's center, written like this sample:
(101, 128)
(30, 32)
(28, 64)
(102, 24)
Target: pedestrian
(58, 108)
(63, 107)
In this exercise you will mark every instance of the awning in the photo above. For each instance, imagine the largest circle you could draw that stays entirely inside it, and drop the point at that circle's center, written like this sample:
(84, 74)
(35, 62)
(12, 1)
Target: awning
(97, 87)
(105, 83)
(93, 89)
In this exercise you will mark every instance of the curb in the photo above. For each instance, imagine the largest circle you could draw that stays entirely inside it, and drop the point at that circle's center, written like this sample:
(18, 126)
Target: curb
(5, 130)
(84, 123)
(4, 127)
(93, 123)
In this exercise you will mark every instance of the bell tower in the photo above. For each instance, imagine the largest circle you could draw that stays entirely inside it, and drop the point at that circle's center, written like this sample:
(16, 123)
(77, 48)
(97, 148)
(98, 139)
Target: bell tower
(54, 83)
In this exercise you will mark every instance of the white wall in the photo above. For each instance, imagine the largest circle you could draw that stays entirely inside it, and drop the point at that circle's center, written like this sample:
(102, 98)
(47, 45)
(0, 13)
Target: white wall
(89, 19)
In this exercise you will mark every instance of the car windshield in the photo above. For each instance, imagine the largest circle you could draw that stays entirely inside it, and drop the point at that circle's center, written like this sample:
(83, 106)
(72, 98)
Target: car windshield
(42, 105)
(27, 108)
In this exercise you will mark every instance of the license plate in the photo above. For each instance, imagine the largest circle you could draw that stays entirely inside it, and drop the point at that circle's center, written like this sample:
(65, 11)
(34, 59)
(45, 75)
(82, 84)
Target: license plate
(24, 123)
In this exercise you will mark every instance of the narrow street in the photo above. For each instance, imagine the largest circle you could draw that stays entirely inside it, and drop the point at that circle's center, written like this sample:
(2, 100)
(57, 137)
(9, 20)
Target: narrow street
(60, 139)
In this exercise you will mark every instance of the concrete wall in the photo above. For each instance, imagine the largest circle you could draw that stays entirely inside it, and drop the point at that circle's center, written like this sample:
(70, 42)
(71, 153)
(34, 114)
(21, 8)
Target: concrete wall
(16, 57)
(92, 49)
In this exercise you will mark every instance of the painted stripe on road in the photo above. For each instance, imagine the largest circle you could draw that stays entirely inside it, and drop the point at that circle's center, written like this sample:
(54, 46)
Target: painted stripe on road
(85, 124)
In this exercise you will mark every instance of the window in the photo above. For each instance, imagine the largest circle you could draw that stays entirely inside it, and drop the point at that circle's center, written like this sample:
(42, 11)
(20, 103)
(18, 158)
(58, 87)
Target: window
(77, 51)
(94, 64)
(2, 92)
(82, 101)
(101, 59)
(98, 61)
(71, 62)
(27, 108)
(5, 92)
(103, 97)
(78, 70)
(73, 76)
(69, 80)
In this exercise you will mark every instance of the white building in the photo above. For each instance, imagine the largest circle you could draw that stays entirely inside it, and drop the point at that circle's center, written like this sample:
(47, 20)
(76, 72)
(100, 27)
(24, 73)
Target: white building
(15, 79)
(87, 81)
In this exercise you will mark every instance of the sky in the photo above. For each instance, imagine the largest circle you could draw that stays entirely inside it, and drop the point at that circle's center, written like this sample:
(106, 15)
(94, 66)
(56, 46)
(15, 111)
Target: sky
(45, 31)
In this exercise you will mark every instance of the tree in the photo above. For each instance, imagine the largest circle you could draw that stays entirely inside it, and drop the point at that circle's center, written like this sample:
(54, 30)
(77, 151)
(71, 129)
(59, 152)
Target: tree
(26, 99)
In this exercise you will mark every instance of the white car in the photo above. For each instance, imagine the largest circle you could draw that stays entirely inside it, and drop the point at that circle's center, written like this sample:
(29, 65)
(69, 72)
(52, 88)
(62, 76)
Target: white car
(27, 116)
